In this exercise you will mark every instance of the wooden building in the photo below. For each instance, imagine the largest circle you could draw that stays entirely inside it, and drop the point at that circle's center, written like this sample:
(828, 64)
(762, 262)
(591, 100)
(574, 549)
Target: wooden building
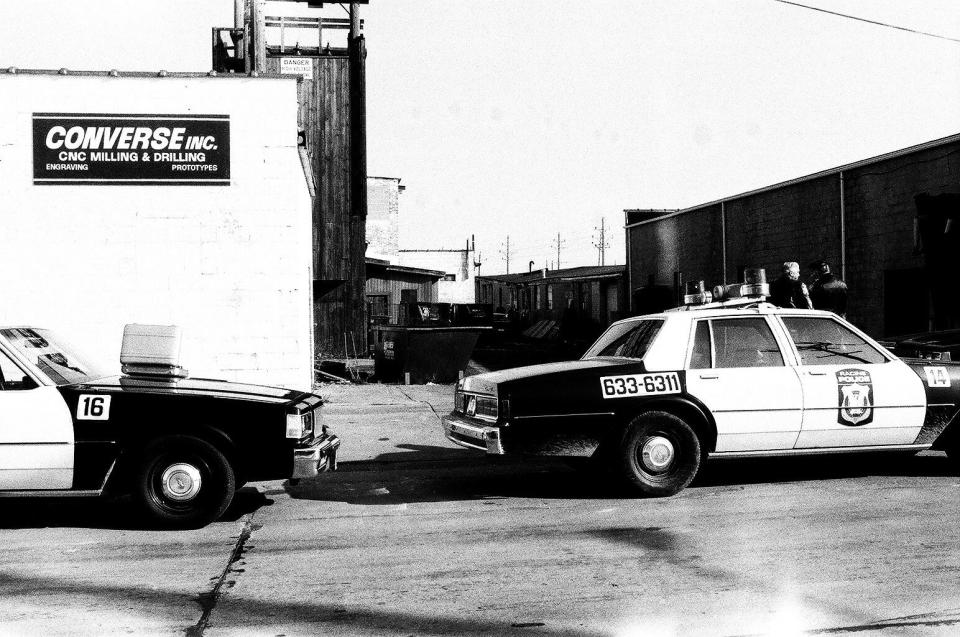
(587, 299)
(389, 286)
(332, 120)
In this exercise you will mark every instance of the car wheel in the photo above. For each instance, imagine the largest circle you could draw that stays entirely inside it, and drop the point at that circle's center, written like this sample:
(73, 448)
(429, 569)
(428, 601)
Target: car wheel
(183, 482)
(660, 454)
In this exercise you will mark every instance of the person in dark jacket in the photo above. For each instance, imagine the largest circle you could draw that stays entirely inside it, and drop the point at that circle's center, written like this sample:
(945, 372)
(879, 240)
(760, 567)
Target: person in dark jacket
(789, 290)
(828, 291)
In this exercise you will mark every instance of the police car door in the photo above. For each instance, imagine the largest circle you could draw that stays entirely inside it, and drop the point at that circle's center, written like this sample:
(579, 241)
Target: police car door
(737, 369)
(36, 432)
(854, 393)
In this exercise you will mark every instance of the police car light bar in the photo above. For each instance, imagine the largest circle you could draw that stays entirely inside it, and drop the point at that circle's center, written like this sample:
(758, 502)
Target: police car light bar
(752, 291)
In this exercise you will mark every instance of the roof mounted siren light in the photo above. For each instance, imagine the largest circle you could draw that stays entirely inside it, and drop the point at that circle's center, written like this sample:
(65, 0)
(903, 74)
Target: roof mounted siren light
(694, 294)
(754, 286)
(754, 282)
(151, 351)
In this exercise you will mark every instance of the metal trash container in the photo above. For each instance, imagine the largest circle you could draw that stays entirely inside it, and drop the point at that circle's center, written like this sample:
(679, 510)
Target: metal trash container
(426, 354)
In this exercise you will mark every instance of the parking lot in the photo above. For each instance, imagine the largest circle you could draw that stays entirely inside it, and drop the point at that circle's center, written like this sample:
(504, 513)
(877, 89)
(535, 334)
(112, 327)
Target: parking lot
(416, 537)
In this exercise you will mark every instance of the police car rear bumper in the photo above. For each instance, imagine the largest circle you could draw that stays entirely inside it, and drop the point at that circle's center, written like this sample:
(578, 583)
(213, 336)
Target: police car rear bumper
(468, 433)
(320, 456)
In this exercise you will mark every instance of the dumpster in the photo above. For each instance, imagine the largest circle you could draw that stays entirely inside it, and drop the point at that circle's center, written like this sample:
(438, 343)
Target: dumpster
(422, 354)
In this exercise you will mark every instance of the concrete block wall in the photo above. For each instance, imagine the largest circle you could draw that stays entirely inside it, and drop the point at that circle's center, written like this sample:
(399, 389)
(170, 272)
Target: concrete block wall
(230, 264)
(689, 243)
(801, 221)
(880, 212)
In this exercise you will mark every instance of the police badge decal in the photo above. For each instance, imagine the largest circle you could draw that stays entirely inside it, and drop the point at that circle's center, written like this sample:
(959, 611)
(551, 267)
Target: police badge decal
(855, 395)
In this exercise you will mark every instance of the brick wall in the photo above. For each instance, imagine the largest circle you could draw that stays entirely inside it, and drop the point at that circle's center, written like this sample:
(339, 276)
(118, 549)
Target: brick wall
(230, 264)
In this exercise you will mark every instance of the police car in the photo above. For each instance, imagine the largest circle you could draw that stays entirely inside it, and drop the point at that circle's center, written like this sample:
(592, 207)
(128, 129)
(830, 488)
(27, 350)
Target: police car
(655, 396)
(180, 446)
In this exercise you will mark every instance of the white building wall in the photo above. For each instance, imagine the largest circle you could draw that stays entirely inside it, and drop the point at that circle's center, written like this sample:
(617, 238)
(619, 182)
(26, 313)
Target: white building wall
(383, 217)
(460, 290)
(230, 264)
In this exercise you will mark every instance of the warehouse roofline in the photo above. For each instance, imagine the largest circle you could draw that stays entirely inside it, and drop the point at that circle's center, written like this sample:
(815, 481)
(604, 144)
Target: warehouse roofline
(818, 175)
(13, 70)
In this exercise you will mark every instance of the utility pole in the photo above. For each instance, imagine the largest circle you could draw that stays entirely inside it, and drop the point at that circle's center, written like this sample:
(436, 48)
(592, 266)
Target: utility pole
(558, 244)
(601, 244)
(505, 253)
(478, 261)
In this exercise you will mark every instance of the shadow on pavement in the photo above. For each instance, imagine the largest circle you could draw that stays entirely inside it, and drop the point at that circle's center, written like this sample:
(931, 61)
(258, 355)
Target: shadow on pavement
(416, 454)
(477, 477)
(102, 513)
(469, 478)
(827, 467)
(258, 615)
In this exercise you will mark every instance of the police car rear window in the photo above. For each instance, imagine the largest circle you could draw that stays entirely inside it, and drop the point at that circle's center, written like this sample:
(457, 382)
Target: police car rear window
(627, 340)
(52, 356)
(823, 341)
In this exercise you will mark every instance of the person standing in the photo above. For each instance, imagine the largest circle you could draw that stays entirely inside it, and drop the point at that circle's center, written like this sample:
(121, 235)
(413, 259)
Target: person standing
(828, 292)
(788, 290)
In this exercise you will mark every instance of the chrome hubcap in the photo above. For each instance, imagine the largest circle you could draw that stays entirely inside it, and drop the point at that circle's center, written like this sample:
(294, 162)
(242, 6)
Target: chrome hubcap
(657, 453)
(180, 482)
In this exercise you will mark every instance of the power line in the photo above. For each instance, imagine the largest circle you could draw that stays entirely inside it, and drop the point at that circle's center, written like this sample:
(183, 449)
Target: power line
(882, 24)
(505, 253)
(601, 244)
(559, 244)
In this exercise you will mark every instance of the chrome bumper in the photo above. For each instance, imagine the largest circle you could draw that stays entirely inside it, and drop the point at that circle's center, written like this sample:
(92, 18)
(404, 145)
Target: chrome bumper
(318, 457)
(468, 434)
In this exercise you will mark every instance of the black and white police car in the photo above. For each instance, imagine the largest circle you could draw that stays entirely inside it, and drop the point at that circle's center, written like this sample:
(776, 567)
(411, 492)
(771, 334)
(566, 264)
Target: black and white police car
(657, 395)
(180, 446)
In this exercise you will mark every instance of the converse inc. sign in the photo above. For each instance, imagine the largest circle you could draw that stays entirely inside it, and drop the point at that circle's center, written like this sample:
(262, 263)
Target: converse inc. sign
(131, 149)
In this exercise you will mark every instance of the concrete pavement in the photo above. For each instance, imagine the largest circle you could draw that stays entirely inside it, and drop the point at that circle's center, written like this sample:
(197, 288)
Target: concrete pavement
(416, 536)
(389, 423)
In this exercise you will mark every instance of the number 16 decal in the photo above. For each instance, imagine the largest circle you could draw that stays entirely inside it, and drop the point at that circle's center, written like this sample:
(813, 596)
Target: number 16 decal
(93, 407)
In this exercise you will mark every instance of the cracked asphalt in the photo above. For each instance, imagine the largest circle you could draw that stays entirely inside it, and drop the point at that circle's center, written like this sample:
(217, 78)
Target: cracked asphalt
(416, 537)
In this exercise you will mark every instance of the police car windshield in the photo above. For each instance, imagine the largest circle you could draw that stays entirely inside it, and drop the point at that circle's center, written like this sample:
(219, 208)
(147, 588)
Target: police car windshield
(52, 356)
(626, 340)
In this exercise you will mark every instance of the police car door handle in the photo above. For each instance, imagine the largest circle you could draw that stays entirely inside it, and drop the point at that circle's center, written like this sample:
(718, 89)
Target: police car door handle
(709, 376)
(813, 373)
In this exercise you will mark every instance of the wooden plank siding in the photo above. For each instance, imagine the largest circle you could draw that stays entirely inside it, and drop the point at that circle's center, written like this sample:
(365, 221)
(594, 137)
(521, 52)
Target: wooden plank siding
(332, 114)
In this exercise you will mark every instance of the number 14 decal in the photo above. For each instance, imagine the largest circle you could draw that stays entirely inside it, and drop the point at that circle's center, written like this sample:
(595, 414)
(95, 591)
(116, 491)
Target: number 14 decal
(93, 407)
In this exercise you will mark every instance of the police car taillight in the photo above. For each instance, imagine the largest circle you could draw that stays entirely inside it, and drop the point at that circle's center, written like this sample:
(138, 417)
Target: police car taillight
(298, 425)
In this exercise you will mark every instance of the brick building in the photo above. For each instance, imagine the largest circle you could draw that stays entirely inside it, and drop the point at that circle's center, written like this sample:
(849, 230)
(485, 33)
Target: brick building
(884, 224)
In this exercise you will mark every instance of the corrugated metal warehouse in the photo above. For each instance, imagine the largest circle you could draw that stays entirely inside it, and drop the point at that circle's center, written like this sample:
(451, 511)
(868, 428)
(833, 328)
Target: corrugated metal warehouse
(888, 225)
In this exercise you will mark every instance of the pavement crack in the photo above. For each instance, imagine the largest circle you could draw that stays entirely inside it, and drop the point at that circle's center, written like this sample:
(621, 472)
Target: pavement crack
(208, 601)
(412, 399)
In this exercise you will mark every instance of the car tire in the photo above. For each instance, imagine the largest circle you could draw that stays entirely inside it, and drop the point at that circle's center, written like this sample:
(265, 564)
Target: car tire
(659, 455)
(183, 482)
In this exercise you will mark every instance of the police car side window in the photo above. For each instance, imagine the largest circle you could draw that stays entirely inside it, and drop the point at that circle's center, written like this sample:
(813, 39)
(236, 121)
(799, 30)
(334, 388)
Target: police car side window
(744, 342)
(12, 377)
(824, 341)
(700, 357)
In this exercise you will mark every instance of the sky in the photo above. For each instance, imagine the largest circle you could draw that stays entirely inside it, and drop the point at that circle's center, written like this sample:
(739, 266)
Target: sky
(525, 119)
(534, 118)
